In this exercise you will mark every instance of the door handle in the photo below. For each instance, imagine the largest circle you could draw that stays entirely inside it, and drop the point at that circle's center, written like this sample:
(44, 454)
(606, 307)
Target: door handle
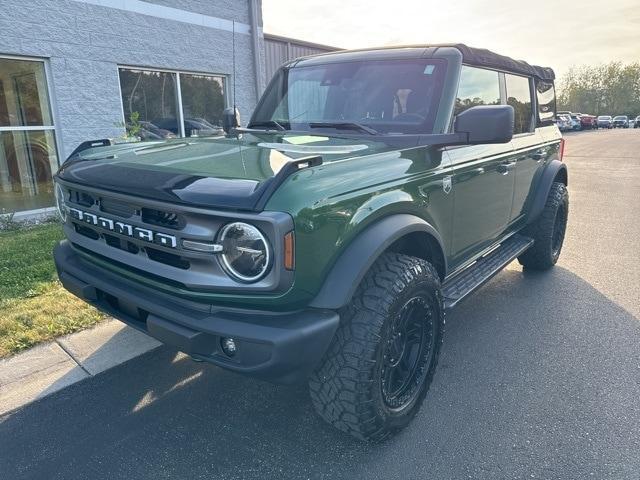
(505, 168)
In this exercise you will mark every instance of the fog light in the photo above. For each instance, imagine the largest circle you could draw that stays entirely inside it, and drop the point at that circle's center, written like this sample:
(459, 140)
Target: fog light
(228, 346)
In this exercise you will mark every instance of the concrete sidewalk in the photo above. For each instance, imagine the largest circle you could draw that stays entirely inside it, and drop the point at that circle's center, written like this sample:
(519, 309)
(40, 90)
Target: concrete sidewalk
(47, 368)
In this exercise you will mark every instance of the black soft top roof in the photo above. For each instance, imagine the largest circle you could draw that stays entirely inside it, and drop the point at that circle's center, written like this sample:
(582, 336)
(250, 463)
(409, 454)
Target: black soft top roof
(470, 55)
(486, 58)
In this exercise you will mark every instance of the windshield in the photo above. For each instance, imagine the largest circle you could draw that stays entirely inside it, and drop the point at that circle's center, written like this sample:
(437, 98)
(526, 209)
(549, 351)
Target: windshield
(620, 117)
(388, 96)
(604, 117)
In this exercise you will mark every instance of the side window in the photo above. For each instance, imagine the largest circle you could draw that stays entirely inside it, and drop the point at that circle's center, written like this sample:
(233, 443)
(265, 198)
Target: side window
(477, 87)
(546, 102)
(519, 97)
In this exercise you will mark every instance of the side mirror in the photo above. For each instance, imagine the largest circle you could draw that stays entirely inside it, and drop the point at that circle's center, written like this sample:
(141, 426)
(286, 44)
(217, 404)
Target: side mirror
(486, 124)
(230, 119)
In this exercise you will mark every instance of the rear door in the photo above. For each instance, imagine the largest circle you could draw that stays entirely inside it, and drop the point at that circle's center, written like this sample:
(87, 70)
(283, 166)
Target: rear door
(529, 154)
(483, 175)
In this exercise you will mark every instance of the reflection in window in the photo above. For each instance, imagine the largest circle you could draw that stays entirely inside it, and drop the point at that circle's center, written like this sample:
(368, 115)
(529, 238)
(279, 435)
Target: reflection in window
(151, 97)
(546, 101)
(27, 156)
(27, 161)
(397, 96)
(519, 97)
(477, 87)
(202, 104)
(150, 103)
(23, 94)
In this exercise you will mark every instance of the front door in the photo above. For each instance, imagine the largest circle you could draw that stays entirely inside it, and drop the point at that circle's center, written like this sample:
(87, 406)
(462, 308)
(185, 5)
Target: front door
(482, 186)
(483, 175)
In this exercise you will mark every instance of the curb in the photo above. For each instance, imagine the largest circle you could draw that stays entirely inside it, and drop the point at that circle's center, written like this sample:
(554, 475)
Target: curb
(51, 367)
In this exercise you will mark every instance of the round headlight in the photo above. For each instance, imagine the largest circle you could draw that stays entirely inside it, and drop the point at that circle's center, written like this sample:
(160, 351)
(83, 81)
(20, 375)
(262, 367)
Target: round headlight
(60, 203)
(245, 251)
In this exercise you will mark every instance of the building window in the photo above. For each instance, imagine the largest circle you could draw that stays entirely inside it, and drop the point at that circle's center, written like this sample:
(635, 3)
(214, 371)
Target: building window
(519, 97)
(27, 142)
(172, 104)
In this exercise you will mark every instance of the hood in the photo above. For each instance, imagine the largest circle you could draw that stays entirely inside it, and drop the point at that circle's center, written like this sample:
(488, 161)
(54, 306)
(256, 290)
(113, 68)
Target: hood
(222, 172)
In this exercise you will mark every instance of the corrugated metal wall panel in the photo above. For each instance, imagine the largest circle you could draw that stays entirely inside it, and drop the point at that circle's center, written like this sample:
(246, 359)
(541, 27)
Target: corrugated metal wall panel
(275, 54)
(280, 50)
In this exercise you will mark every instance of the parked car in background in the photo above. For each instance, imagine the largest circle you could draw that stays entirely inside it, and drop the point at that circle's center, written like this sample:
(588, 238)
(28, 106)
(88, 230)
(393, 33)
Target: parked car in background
(620, 121)
(564, 122)
(632, 123)
(588, 121)
(604, 121)
(150, 131)
(576, 124)
(193, 127)
(636, 123)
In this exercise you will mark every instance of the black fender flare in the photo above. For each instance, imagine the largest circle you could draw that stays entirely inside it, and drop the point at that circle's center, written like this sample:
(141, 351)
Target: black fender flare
(356, 259)
(551, 172)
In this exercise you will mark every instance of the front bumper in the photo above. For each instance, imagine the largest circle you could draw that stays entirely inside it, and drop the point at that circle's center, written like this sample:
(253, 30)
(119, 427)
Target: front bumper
(278, 347)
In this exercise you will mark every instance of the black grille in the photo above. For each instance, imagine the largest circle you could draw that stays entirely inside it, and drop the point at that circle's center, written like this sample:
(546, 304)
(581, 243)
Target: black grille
(115, 207)
(86, 231)
(82, 198)
(162, 218)
(167, 258)
(124, 266)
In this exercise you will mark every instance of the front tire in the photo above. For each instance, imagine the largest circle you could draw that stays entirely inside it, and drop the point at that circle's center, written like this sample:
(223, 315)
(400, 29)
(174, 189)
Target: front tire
(548, 231)
(373, 379)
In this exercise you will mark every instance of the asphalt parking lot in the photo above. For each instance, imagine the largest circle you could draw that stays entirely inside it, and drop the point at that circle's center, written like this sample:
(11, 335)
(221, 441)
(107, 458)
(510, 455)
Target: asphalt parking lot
(539, 378)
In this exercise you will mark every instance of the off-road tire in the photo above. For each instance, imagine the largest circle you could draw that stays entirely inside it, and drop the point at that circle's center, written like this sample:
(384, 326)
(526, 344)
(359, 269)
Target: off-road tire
(548, 231)
(346, 388)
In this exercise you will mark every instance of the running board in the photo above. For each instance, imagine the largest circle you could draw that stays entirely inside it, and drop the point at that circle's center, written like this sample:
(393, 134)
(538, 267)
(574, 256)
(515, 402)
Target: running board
(475, 275)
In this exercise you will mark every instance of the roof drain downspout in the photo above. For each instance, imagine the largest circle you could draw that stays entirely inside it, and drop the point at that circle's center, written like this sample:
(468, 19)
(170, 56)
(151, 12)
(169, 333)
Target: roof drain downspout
(254, 13)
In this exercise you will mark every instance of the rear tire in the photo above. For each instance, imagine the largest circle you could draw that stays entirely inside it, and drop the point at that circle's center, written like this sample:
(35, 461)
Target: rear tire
(548, 231)
(373, 379)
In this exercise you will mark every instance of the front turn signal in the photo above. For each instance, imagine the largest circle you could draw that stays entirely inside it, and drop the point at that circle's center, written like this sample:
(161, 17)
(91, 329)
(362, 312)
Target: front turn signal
(289, 251)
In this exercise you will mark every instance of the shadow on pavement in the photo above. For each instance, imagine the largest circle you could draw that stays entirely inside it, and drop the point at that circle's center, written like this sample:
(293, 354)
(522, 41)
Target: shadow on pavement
(539, 375)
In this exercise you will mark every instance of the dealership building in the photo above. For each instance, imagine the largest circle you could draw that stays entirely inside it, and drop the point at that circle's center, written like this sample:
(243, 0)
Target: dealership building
(76, 70)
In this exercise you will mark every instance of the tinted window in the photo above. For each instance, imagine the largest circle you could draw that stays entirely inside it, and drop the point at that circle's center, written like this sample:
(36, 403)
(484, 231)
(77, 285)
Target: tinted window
(546, 101)
(150, 97)
(519, 97)
(202, 103)
(390, 96)
(477, 87)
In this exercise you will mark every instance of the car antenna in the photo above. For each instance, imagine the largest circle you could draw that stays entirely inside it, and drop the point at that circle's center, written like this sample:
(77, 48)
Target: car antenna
(233, 73)
(233, 53)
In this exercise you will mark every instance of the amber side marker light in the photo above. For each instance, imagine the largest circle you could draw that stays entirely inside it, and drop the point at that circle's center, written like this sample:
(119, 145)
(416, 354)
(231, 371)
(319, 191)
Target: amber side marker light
(561, 148)
(289, 251)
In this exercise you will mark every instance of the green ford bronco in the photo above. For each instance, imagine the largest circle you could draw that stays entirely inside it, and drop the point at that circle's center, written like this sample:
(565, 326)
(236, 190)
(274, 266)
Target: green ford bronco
(371, 191)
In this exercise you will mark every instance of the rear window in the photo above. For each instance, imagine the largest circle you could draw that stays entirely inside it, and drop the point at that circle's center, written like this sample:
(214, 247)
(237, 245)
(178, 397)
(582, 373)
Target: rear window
(546, 94)
(519, 97)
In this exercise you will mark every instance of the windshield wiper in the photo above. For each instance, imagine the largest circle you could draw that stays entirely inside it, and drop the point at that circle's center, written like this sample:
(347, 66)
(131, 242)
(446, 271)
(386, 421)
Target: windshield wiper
(344, 125)
(267, 123)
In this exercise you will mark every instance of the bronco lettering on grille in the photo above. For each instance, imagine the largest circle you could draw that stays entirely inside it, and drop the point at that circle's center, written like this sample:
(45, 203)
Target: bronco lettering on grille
(122, 228)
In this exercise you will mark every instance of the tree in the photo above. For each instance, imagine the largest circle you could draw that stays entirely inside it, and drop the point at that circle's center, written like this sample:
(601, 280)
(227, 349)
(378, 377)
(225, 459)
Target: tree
(609, 89)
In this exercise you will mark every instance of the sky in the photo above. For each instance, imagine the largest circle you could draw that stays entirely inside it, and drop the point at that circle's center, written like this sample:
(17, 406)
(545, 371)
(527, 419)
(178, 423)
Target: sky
(551, 33)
